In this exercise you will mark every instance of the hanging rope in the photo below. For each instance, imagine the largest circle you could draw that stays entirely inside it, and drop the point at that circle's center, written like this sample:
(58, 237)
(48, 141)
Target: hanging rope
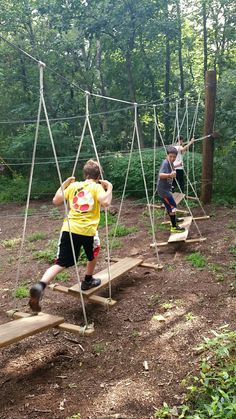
(144, 180)
(29, 192)
(124, 188)
(105, 209)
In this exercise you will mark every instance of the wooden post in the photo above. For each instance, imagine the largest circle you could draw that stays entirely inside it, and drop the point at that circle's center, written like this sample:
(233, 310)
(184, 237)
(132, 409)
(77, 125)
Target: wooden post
(208, 143)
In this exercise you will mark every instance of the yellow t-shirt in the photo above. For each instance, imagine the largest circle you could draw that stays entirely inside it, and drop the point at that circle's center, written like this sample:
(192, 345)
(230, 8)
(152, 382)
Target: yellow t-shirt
(84, 207)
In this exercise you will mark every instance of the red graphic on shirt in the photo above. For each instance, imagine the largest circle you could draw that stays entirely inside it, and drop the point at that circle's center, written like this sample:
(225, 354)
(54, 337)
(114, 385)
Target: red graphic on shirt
(83, 201)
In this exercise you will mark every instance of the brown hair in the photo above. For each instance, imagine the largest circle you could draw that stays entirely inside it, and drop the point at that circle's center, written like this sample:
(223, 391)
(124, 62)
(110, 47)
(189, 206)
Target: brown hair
(92, 170)
(171, 150)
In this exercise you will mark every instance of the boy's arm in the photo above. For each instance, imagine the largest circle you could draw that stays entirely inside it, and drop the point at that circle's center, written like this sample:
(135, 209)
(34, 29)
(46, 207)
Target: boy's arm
(182, 149)
(168, 175)
(106, 197)
(58, 197)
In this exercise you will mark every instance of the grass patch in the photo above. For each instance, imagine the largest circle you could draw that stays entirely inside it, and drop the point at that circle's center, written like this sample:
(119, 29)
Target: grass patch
(210, 394)
(21, 292)
(196, 259)
(37, 235)
(231, 225)
(31, 211)
(99, 348)
(49, 253)
(215, 267)
(122, 231)
(116, 244)
(232, 250)
(167, 306)
(189, 317)
(111, 219)
(9, 244)
(158, 213)
(63, 276)
(54, 214)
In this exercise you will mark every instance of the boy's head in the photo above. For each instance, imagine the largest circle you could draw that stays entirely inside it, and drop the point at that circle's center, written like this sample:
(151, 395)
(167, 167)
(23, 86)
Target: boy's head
(92, 170)
(171, 154)
(180, 139)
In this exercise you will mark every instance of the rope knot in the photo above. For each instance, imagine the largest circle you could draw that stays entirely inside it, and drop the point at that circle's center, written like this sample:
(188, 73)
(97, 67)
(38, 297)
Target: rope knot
(41, 64)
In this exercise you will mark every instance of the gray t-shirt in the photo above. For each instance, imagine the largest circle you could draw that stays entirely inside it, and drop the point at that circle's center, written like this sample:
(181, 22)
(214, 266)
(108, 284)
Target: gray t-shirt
(164, 185)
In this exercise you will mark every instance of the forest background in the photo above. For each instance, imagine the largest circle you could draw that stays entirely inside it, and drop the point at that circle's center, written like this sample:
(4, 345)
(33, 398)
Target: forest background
(144, 51)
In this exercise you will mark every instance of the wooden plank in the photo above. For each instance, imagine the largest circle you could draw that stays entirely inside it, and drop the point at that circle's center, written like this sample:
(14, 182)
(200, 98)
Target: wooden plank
(194, 198)
(101, 300)
(59, 288)
(17, 330)
(66, 327)
(204, 217)
(178, 197)
(176, 237)
(160, 244)
(116, 270)
(142, 265)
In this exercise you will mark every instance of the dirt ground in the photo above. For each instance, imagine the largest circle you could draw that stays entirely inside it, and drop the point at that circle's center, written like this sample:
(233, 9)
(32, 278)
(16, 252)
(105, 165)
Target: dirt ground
(57, 375)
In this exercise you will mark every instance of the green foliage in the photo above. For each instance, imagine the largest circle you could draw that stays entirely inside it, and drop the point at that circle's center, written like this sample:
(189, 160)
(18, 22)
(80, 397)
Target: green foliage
(76, 416)
(111, 219)
(63, 277)
(49, 253)
(37, 235)
(197, 260)
(212, 392)
(232, 250)
(116, 244)
(122, 231)
(189, 317)
(54, 213)
(9, 244)
(99, 347)
(21, 292)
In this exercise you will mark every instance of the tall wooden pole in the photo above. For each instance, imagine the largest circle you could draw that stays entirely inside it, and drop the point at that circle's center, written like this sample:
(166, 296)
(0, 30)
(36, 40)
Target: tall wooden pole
(208, 143)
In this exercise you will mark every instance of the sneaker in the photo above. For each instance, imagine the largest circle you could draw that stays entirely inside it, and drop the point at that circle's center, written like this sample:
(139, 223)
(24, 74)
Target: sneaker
(93, 282)
(36, 294)
(177, 229)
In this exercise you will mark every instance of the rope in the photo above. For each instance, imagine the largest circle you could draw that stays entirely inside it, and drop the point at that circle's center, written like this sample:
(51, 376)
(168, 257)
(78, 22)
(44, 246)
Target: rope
(144, 181)
(186, 203)
(187, 136)
(41, 67)
(193, 132)
(105, 209)
(154, 172)
(29, 193)
(124, 188)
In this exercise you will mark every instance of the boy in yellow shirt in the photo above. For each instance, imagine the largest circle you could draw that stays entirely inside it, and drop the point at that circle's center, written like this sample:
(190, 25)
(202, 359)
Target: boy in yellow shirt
(85, 199)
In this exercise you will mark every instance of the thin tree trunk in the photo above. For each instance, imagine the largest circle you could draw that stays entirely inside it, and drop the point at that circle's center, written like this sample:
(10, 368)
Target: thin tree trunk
(181, 70)
(133, 91)
(167, 79)
(204, 15)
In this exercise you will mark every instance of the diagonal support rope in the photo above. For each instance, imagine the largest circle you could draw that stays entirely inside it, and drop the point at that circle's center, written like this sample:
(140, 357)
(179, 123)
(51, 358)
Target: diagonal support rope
(29, 193)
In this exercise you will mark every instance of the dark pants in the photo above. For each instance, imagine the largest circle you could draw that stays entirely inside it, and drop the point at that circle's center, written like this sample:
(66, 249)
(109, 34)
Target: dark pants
(180, 180)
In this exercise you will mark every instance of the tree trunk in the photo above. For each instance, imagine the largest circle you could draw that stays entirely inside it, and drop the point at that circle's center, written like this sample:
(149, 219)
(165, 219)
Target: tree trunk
(104, 122)
(204, 15)
(132, 91)
(181, 71)
(167, 79)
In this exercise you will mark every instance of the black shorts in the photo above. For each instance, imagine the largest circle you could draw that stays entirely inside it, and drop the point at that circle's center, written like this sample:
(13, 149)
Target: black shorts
(65, 255)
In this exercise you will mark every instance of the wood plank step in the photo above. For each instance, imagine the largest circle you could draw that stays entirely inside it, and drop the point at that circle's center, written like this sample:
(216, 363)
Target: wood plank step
(17, 330)
(176, 237)
(178, 197)
(116, 270)
(66, 327)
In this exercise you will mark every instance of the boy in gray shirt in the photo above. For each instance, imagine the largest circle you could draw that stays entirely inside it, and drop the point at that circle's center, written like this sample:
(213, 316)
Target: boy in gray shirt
(164, 187)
